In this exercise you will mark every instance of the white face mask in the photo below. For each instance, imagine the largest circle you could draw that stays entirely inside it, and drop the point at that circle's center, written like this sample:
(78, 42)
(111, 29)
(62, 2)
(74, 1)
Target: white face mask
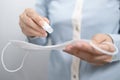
(30, 46)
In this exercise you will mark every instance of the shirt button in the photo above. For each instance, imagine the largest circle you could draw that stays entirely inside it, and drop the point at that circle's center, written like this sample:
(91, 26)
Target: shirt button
(77, 28)
(74, 76)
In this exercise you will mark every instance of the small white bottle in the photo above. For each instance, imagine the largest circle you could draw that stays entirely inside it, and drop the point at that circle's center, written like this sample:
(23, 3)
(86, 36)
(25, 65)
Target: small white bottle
(47, 27)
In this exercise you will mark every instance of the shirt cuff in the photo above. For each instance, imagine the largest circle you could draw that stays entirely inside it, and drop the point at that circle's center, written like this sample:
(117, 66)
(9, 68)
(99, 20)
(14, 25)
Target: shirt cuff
(116, 41)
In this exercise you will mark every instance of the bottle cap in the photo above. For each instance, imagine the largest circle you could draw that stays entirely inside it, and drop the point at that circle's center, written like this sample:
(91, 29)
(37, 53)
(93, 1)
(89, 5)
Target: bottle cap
(47, 27)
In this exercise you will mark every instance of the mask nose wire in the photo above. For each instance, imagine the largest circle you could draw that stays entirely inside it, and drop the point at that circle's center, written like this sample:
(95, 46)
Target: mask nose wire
(2, 59)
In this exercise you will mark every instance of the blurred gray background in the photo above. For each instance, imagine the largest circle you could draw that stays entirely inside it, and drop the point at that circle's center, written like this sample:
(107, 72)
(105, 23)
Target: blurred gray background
(36, 63)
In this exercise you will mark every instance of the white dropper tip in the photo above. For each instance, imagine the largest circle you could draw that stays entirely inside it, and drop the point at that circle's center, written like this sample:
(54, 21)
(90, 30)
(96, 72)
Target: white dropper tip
(47, 27)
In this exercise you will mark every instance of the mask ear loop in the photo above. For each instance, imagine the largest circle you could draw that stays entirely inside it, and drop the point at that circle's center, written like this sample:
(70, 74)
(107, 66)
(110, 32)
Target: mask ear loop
(103, 51)
(2, 59)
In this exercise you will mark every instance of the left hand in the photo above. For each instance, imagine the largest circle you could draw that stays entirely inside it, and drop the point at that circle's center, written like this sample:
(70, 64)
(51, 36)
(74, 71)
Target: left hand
(84, 51)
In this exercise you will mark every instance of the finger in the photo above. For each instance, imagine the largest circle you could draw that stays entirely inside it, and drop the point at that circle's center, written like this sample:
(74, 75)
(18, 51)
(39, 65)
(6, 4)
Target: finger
(78, 53)
(104, 47)
(97, 60)
(31, 32)
(72, 49)
(26, 20)
(102, 60)
(81, 55)
(86, 47)
(97, 64)
(107, 47)
(45, 19)
(31, 24)
(108, 60)
(85, 56)
(34, 16)
(98, 38)
(68, 49)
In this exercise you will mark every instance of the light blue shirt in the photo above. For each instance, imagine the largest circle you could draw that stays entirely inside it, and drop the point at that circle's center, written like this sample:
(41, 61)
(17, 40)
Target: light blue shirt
(98, 16)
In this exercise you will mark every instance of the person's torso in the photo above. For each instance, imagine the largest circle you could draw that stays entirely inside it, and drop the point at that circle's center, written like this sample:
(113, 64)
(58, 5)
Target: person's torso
(98, 16)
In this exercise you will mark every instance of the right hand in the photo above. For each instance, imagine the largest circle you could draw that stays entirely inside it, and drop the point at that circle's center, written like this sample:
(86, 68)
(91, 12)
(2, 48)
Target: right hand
(31, 23)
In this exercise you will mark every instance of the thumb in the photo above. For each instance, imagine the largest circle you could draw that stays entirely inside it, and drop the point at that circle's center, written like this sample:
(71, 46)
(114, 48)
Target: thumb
(100, 38)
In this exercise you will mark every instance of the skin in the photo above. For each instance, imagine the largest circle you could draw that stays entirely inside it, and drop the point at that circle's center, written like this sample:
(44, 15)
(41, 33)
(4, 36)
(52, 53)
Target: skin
(31, 25)
(84, 51)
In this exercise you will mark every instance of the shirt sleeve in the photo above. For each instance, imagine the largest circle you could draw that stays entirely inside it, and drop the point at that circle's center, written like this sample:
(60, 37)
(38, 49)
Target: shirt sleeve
(41, 8)
(116, 40)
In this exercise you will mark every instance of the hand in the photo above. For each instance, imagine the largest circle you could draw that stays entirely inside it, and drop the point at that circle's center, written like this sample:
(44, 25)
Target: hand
(31, 23)
(84, 51)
